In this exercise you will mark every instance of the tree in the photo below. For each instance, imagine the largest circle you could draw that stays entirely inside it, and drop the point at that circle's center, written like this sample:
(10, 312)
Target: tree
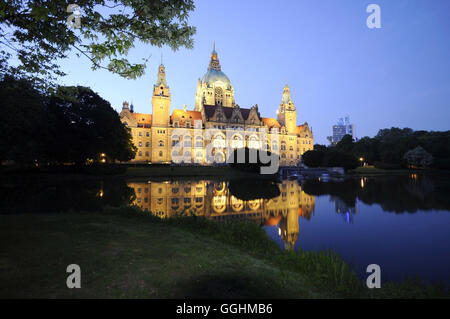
(346, 143)
(313, 158)
(23, 121)
(418, 157)
(84, 125)
(320, 147)
(335, 158)
(37, 33)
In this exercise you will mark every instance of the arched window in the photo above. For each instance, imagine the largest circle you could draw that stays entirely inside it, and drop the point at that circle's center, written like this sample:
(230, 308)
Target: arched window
(218, 141)
(237, 141)
(283, 145)
(253, 142)
(218, 96)
(187, 141)
(187, 157)
(161, 143)
(175, 140)
(147, 144)
(198, 141)
(160, 153)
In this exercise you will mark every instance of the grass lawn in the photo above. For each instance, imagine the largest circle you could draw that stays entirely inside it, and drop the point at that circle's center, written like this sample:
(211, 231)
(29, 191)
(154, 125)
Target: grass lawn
(124, 253)
(125, 258)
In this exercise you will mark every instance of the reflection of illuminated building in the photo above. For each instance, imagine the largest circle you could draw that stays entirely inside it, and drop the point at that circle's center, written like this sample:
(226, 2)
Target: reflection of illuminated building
(347, 212)
(213, 200)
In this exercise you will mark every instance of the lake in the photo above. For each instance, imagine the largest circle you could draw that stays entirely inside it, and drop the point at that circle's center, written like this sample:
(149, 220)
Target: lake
(401, 223)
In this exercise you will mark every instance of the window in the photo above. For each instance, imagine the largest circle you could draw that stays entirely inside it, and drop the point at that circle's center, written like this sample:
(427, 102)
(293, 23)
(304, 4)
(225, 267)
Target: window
(146, 154)
(140, 133)
(161, 143)
(147, 144)
(187, 141)
(198, 141)
(140, 154)
(253, 142)
(160, 154)
(274, 146)
(219, 141)
(237, 142)
(147, 134)
(140, 144)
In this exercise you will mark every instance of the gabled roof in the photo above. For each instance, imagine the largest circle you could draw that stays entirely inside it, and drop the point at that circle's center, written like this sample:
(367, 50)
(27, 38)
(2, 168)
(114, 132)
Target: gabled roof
(184, 115)
(303, 128)
(269, 122)
(228, 111)
(142, 118)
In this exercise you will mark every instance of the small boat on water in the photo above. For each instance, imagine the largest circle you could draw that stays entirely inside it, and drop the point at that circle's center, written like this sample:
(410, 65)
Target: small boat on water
(324, 177)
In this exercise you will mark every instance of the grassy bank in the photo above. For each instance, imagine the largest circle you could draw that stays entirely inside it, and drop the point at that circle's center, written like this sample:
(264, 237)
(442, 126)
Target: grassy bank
(125, 253)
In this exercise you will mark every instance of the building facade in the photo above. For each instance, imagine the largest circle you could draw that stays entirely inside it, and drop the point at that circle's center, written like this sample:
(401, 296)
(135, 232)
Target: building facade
(215, 127)
(341, 129)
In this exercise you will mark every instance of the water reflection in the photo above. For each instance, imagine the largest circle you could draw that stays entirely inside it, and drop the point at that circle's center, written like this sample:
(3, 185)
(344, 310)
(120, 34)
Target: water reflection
(215, 201)
(399, 194)
(345, 211)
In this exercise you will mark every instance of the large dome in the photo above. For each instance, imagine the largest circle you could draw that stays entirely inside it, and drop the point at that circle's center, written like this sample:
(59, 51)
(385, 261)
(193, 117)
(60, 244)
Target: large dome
(213, 76)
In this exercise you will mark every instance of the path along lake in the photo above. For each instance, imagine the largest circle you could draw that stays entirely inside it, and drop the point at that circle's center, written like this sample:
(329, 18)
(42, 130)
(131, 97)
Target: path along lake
(401, 223)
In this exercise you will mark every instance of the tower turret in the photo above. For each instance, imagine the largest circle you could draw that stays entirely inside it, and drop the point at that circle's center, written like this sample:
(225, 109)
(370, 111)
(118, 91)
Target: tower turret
(161, 100)
(287, 113)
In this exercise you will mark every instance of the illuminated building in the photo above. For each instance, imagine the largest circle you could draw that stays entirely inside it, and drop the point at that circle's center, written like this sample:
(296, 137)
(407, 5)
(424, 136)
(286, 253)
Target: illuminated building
(215, 108)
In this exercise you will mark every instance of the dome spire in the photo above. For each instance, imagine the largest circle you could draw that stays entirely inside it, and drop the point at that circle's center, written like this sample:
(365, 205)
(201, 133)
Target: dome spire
(286, 98)
(161, 75)
(214, 64)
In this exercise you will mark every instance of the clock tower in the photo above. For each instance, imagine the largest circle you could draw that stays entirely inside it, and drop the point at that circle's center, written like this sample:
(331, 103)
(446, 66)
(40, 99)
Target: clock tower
(287, 113)
(161, 100)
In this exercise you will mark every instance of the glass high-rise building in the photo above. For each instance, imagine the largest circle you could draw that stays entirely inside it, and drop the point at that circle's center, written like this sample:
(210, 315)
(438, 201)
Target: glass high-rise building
(342, 128)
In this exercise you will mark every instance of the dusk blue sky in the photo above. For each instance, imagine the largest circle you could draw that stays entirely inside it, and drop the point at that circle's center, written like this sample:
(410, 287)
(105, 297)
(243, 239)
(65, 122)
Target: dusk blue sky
(398, 75)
